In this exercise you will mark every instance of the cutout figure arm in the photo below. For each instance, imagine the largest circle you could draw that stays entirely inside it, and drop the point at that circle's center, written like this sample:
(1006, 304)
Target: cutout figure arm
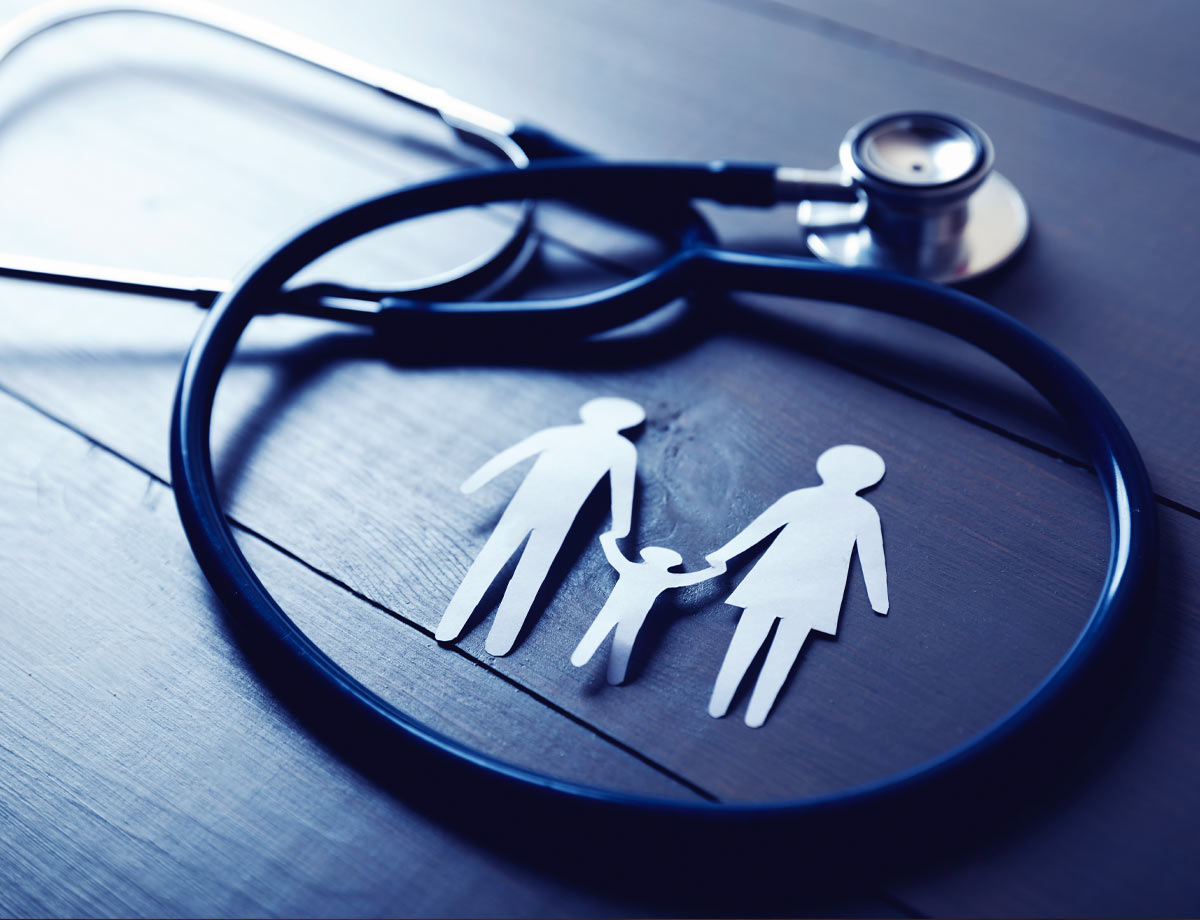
(756, 531)
(613, 553)
(621, 484)
(871, 559)
(510, 457)
(684, 579)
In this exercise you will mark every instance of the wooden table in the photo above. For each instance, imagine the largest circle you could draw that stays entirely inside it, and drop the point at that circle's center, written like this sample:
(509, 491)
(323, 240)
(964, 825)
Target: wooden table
(147, 769)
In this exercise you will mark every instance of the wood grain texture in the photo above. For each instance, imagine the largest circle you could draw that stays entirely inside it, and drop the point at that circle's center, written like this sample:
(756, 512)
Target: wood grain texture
(715, 452)
(351, 462)
(1133, 62)
(651, 81)
(145, 770)
(703, 86)
(1120, 838)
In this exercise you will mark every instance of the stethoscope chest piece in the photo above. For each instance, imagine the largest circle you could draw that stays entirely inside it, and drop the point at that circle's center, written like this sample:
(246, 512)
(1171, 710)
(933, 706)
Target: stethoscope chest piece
(929, 204)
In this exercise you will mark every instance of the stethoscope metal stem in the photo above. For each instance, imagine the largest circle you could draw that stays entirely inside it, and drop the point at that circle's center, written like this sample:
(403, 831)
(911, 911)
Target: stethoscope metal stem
(794, 183)
(316, 301)
(197, 290)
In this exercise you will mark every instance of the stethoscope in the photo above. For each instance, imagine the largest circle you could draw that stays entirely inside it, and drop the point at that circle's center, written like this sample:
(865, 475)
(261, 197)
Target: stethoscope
(915, 192)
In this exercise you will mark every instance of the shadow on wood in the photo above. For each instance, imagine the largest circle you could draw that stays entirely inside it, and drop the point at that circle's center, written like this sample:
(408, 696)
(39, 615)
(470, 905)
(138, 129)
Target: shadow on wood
(743, 859)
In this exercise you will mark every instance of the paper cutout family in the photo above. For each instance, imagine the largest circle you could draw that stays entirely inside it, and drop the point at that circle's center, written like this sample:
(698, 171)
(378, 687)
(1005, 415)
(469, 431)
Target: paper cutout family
(799, 580)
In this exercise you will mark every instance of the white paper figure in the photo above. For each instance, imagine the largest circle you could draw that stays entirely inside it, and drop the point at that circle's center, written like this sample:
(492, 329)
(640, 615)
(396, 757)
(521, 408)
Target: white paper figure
(571, 462)
(638, 586)
(801, 578)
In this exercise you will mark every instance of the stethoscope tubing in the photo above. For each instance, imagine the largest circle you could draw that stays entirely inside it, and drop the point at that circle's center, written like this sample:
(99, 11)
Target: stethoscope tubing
(494, 134)
(699, 267)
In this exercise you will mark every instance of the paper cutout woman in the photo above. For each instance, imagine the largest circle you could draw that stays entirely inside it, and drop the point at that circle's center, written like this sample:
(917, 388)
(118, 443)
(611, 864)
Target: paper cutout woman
(638, 586)
(571, 462)
(801, 578)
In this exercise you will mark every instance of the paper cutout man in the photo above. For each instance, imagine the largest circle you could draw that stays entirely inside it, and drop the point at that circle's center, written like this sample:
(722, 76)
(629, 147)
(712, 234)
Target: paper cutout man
(638, 586)
(571, 462)
(801, 578)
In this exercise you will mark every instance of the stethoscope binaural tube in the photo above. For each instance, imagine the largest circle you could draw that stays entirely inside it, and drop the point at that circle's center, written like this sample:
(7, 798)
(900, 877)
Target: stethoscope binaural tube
(493, 134)
(914, 191)
(328, 688)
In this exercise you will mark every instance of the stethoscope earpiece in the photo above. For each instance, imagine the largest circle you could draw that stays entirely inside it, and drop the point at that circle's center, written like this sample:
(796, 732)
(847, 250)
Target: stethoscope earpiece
(928, 202)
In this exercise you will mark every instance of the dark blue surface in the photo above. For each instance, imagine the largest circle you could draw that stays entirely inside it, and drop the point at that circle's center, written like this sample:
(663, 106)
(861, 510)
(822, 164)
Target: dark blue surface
(340, 707)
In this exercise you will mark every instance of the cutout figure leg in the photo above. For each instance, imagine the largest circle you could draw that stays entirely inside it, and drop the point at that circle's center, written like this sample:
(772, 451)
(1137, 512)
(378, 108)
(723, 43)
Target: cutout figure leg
(518, 597)
(785, 649)
(622, 648)
(605, 622)
(752, 630)
(483, 571)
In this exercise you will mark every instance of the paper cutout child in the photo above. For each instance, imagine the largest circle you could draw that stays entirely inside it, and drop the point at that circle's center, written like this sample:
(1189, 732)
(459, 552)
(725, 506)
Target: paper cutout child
(638, 586)
(571, 461)
(801, 578)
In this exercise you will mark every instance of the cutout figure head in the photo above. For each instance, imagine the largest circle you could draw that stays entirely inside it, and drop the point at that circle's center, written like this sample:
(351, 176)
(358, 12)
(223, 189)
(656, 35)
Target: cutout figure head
(849, 467)
(661, 556)
(612, 412)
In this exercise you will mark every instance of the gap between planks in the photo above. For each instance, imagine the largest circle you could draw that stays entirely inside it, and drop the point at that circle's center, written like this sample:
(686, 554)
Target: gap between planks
(793, 16)
(863, 39)
(462, 653)
(598, 732)
(902, 907)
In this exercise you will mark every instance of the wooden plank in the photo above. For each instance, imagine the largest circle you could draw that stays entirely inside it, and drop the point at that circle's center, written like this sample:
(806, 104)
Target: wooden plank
(405, 439)
(147, 160)
(996, 588)
(370, 565)
(732, 84)
(1133, 62)
(125, 141)
(145, 770)
(1120, 838)
(366, 532)
(667, 119)
(1135, 339)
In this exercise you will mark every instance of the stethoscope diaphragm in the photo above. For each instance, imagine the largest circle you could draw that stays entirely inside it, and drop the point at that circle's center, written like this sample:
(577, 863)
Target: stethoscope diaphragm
(929, 204)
